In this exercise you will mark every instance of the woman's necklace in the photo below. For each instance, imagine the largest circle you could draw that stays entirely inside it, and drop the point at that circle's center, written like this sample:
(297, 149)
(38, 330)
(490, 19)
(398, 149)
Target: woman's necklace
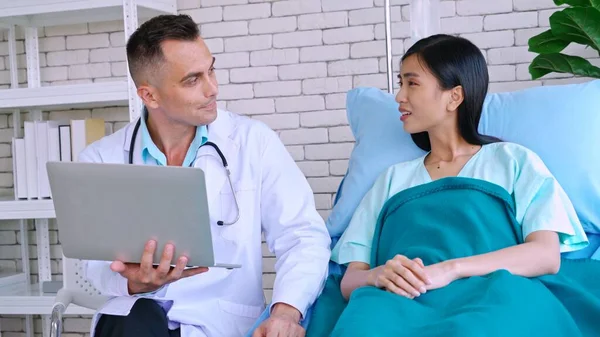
(438, 164)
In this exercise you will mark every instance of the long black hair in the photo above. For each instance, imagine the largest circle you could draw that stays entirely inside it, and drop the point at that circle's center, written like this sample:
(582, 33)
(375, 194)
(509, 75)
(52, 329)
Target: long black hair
(456, 61)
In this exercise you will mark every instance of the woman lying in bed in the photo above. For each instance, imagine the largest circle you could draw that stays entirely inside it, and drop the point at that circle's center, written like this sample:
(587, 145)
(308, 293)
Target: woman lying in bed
(454, 257)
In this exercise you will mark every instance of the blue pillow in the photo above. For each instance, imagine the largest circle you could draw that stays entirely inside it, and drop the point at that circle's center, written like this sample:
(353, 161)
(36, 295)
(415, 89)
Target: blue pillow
(560, 123)
(380, 142)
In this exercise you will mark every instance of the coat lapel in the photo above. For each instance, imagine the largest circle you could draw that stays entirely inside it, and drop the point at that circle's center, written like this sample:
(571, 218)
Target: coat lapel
(208, 159)
(137, 152)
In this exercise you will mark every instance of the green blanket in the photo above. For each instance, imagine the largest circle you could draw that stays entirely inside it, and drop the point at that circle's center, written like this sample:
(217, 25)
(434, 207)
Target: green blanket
(451, 218)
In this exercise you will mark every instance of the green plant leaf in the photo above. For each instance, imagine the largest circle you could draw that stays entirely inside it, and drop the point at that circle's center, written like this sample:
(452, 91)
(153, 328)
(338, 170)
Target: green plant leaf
(560, 63)
(579, 25)
(579, 3)
(546, 42)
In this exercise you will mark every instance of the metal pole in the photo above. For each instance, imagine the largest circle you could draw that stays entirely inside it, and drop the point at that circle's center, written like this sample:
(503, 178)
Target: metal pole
(388, 46)
(130, 20)
(14, 84)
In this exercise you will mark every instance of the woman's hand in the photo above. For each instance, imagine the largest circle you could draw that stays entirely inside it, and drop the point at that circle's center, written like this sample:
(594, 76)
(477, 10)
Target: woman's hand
(441, 274)
(401, 276)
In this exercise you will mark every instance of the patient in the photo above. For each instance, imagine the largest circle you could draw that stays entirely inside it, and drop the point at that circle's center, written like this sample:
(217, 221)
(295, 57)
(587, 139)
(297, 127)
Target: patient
(443, 83)
(453, 243)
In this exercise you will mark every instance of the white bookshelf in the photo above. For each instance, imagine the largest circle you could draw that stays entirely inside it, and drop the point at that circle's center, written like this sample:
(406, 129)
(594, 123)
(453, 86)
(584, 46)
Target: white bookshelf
(11, 209)
(63, 97)
(27, 299)
(18, 295)
(40, 13)
(9, 279)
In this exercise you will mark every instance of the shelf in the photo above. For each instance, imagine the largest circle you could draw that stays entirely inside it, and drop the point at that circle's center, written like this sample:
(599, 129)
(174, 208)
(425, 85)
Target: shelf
(29, 300)
(26, 209)
(67, 96)
(11, 278)
(38, 13)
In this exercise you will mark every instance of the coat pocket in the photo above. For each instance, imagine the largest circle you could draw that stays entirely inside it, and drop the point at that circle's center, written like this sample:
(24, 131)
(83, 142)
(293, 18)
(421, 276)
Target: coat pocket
(243, 310)
(237, 319)
(242, 203)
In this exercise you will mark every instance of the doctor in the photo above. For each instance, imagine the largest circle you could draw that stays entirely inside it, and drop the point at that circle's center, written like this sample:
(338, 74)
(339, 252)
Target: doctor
(174, 74)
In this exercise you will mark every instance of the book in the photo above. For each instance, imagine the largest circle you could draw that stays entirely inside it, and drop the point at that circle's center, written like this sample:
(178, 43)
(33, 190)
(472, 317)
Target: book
(83, 133)
(45, 141)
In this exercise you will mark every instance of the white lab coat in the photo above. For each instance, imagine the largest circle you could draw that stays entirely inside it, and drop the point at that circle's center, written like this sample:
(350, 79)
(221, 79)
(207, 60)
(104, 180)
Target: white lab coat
(273, 196)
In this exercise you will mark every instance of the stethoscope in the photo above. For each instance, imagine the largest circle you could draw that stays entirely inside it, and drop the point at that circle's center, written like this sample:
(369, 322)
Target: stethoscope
(220, 222)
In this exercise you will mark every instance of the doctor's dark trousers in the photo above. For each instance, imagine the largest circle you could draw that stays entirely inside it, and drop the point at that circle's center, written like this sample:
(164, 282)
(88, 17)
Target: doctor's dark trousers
(146, 319)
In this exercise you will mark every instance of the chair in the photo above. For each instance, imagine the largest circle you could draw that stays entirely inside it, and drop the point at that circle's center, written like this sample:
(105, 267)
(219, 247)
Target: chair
(79, 291)
(76, 291)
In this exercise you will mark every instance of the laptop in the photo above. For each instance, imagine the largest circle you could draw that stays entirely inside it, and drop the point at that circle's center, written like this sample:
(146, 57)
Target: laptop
(108, 212)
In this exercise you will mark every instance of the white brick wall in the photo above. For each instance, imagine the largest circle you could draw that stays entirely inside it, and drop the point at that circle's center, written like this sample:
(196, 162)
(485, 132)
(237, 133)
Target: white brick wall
(478, 7)
(288, 63)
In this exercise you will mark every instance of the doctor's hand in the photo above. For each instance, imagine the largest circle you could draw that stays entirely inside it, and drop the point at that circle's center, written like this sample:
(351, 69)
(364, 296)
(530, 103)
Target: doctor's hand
(283, 322)
(401, 276)
(145, 277)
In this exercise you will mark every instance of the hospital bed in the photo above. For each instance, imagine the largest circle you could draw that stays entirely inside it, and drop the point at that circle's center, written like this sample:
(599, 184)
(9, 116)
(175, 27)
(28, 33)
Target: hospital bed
(560, 123)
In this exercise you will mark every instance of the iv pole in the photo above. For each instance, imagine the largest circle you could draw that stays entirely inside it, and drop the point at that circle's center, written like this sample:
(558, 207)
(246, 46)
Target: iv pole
(388, 46)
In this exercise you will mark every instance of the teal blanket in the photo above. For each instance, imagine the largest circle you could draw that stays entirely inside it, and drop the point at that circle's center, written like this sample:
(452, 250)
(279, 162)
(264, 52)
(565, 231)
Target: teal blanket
(447, 219)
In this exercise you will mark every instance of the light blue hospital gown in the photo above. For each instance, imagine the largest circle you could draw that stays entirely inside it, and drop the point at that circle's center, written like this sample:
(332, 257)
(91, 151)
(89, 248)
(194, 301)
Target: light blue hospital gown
(541, 203)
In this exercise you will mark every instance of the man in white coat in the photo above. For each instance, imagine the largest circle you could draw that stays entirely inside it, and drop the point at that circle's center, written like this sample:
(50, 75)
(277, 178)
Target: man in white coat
(174, 74)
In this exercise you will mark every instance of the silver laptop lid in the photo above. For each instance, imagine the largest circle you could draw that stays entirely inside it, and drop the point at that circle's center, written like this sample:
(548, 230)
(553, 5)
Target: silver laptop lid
(109, 211)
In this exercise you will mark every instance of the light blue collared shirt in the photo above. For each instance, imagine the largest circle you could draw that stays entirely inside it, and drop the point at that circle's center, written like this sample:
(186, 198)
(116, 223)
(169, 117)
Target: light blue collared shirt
(151, 153)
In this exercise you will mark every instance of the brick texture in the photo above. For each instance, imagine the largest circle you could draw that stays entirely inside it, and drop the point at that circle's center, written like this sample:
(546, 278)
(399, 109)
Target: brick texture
(288, 63)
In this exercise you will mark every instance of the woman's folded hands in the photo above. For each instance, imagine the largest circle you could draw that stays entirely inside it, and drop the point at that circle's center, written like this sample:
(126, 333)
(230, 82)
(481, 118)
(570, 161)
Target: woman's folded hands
(410, 277)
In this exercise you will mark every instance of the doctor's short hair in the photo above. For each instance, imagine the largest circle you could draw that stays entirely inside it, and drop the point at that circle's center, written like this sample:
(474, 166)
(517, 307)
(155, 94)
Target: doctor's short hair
(144, 47)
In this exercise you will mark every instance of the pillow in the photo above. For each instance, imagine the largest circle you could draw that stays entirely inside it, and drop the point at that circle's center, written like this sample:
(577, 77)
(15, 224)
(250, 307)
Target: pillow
(380, 142)
(560, 123)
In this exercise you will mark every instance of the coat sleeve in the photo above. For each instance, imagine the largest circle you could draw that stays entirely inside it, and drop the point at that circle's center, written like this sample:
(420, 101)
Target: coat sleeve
(98, 273)
(293, 229)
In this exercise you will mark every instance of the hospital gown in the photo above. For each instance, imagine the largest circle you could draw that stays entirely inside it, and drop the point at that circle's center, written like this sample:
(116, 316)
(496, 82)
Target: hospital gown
(541, 203)
(501, 195)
